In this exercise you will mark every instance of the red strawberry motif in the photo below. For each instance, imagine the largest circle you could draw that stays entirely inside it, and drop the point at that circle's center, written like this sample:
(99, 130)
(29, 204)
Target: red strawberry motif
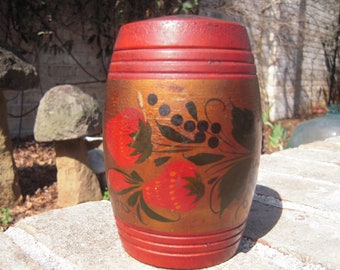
(178, 188)
(117, 180)
(128, 137)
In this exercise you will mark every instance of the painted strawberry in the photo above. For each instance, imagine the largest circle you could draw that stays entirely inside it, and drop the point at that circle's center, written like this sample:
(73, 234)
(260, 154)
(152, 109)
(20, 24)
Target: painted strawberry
(128, 137)
(118, 180)
(178, 188)
(131, 184)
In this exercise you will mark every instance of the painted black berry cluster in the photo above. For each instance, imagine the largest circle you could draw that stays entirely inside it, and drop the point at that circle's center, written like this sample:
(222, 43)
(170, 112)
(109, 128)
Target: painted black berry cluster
(202, 130)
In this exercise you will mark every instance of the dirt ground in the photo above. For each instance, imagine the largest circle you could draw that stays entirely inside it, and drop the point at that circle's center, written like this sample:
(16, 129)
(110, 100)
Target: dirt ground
(37, 175)
(37, 172)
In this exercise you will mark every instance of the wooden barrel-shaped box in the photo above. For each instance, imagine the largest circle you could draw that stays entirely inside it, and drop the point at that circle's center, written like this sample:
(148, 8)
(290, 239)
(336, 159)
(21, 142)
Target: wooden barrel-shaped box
(182, 139)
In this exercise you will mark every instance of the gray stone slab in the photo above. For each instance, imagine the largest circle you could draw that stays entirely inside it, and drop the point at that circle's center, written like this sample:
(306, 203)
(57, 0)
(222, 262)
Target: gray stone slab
(306, 236)
(304, 176)
(331, 144)
(321, 155)
(335, 140)
(293, 223)
(85, 237)
(323, 198)
(12, 257)
(262, 256)
(315, 170)
(79, 237)
(259, 256)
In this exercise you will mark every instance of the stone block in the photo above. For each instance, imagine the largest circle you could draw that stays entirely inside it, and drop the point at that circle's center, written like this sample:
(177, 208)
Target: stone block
(77, 183)
(311, 238)
(57, 241)
(308, 153)
(314, 170)
(328, 145)
(10, 192)
(70, 238)
(13, 257)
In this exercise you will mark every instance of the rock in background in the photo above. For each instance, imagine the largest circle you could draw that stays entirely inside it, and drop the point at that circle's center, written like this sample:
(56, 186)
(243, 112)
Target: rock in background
(66, 112)
(15, 74)
(77, 182)
(65, 116)
(10, 192)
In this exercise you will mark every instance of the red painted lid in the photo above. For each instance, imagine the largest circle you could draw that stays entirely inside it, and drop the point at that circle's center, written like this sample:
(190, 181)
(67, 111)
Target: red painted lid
(182, 31)
(185, 45)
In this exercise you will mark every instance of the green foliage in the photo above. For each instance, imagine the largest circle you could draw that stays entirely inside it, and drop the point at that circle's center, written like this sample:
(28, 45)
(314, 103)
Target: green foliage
(106, 195)
(186, 7)
(278, 134)
(265, 116)
(161, 7)
(33, 25)
(38, 22)
(5, 218)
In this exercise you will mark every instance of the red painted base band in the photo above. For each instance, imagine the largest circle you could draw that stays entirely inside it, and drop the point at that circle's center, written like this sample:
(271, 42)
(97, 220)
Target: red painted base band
(180, 252)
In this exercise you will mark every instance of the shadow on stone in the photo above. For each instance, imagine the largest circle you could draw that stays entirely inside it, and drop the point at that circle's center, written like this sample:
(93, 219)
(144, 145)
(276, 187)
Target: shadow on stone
(265, 212)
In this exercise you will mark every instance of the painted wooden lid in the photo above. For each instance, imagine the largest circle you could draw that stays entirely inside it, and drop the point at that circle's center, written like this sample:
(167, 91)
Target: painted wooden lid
(185, 45)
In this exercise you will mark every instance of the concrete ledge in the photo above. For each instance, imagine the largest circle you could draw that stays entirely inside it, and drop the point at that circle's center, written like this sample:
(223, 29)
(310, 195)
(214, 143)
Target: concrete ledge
(294, 223)
(13, 257)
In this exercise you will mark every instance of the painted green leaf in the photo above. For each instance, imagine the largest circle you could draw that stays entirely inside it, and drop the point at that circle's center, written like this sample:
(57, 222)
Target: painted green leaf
(133, 178)
(142, 141)
(132, 200)
(136, 177)
(152, 214)
(243, 127)
(139, 215)
(191, 107)
(204, 158)
(233, 183)
(195, 186)
(172, 134)
(212, 180)
(127, 190)
(160, 161)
